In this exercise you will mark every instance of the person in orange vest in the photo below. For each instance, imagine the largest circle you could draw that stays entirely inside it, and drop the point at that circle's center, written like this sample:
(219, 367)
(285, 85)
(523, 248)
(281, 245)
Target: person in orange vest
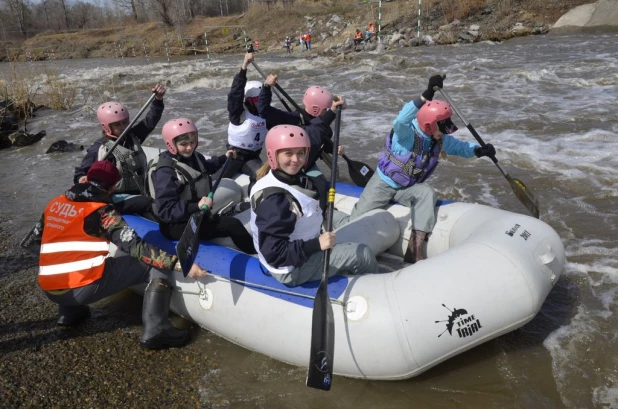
(308, 41)
(257, 45)
(358, 37)
(75, 267)
(372, 29)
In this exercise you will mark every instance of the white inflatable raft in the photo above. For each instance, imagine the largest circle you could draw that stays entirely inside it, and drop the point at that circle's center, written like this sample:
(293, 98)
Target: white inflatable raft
(488, 272)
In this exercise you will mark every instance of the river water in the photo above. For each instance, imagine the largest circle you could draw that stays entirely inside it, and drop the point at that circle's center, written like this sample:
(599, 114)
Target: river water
(548, 104)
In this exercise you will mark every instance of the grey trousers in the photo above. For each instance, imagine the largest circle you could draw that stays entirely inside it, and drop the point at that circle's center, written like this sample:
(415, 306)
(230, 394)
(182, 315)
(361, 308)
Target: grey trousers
(420, 198)
(345, 258)
(120, 273)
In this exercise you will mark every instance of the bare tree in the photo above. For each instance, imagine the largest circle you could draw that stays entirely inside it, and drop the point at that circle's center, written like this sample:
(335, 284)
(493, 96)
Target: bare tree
(18, 10)
(66, 14)
(81, 13)
(164, 9)
(128, 5)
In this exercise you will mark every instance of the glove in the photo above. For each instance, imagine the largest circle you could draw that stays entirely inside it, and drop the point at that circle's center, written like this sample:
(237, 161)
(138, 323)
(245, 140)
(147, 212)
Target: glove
(487, 150)
(436, 80)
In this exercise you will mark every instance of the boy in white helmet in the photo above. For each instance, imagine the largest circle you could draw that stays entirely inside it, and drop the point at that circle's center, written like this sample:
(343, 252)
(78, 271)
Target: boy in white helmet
(247, 130)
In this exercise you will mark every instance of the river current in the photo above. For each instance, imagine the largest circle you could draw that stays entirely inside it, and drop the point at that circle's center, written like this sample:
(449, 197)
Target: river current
(547, 103)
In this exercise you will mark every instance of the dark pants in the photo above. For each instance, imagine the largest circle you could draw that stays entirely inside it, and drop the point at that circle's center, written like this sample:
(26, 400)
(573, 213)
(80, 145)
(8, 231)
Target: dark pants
(120, 273)
(213, 227)
(246, 162)
(139, 205)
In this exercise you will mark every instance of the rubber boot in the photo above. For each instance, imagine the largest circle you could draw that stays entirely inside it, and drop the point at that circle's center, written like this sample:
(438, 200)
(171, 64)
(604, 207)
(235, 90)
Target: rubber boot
(414, 252)
(72, 316)
(159, 333)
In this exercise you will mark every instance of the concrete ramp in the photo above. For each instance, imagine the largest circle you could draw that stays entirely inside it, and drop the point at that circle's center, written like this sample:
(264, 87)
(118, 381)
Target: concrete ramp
(594, 17)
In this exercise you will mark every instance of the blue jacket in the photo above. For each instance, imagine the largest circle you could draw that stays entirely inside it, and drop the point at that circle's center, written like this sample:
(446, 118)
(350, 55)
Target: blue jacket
(167, 187)
(403, 138)
(275, 222)
(141, 130)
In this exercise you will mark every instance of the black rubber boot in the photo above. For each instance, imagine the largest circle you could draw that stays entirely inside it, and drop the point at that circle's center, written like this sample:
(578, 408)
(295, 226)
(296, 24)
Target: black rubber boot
(72, 316)
(159, 333)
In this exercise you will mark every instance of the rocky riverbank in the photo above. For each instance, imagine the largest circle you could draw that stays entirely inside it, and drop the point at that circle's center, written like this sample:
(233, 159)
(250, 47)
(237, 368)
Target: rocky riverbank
(332, 26)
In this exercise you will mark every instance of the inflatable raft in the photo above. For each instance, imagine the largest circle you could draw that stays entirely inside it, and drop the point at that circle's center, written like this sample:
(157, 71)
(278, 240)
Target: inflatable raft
(488, 272)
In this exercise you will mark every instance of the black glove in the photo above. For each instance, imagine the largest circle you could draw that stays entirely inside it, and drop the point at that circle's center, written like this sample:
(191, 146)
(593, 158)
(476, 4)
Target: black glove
(487, 150)
(436, 80)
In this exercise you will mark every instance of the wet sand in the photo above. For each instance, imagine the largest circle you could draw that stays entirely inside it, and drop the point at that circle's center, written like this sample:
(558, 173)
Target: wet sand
(98, 364)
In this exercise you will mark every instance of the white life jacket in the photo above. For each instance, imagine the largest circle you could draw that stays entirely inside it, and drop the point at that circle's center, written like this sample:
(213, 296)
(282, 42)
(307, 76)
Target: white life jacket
(131, 163)
(249, 135)
(308, 216)
(196, 183)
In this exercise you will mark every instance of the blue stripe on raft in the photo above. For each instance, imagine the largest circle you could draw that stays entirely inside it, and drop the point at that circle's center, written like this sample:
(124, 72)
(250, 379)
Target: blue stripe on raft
(232, 264)
(355, 191)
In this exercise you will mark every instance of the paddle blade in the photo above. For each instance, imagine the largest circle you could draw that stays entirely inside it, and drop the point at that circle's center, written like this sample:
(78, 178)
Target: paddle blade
(189, 242)
(320, 371)
(525, 196)
(360, 172)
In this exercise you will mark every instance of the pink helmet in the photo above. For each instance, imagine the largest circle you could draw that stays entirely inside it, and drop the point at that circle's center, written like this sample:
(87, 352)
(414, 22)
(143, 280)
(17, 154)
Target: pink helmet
(431, 113)
(173, 129)
(284, 137)
(317, 99)
(111, 112)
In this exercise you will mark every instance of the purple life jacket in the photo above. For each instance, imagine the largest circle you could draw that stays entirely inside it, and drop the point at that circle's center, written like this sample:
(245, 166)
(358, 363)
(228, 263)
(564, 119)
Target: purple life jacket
(413, 167)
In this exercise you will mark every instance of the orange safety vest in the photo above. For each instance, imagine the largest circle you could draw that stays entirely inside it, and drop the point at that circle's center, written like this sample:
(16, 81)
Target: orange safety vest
(70, 258)
(307, 37)
(357, 35)
(257, 43)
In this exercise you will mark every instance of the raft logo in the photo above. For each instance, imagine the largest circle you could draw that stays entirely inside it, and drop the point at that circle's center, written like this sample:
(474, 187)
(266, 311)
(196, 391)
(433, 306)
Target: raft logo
(465, 324)
(513, 230)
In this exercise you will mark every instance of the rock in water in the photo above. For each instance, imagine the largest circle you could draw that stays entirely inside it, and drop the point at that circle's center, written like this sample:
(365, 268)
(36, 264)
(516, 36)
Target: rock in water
(64, 146)
(22, 138)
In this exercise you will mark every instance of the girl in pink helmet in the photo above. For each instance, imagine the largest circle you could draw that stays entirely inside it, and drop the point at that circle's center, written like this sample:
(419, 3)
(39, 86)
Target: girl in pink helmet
(320, 106)
(130, 194)
(421, 134)
(286, 216)
(180, 183)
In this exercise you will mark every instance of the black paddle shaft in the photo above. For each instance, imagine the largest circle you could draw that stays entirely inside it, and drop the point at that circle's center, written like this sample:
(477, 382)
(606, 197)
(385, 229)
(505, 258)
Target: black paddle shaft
(322, 352)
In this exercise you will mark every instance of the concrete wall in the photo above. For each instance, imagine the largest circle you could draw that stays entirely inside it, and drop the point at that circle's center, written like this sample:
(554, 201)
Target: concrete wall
(594, 17)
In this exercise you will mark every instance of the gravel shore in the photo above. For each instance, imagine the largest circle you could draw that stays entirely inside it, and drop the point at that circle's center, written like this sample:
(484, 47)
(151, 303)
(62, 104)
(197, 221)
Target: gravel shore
(98, 364)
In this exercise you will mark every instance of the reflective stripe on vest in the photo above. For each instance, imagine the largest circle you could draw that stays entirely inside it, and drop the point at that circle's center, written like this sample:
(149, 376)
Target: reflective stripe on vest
(70, 258)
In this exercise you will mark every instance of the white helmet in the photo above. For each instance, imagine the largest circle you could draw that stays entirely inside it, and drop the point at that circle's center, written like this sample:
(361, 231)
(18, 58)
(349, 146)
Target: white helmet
(252, 89)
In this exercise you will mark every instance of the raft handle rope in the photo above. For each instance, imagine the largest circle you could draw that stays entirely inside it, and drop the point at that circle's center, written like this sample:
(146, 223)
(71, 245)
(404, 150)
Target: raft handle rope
(248, 284)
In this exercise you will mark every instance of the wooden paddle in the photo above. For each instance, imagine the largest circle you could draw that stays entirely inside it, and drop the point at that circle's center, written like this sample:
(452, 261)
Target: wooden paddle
(322, 352)
(522, 193)
(189, 242)
(360, 172)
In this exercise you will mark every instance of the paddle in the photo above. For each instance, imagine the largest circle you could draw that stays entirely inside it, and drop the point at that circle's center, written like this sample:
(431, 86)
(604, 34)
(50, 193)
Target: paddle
(322, 352)
(28, 240)
(360, 172)
(189, 242)
(524, 195)
(128, 128)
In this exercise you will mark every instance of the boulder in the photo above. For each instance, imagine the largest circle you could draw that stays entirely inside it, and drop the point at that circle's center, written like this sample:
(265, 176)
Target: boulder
(21, 138)
(599, 16)
(64, 146)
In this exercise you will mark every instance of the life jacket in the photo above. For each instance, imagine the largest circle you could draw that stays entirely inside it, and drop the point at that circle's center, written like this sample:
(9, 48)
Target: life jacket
(414, 167)
(196, 183)
(357, 35)
(372, 29)
(249, 135)
(303, 203)
(70, 258)
(131, 163)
